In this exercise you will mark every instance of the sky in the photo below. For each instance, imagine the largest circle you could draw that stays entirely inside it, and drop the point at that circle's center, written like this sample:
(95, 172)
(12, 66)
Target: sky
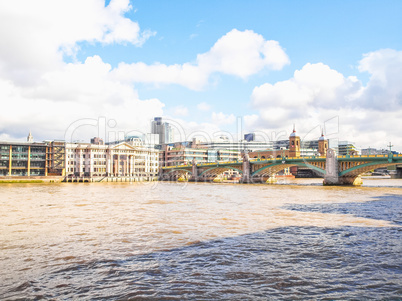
(76, 69)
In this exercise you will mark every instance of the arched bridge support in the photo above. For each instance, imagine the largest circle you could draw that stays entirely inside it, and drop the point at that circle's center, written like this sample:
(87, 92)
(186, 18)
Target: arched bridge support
(331, 169)
(194, 171)
(333, 176)
(346, 170)
(246, 176)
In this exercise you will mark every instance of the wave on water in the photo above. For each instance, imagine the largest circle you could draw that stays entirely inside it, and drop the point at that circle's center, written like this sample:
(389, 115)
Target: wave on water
(208, 242)
(387, 207)
(290, 262)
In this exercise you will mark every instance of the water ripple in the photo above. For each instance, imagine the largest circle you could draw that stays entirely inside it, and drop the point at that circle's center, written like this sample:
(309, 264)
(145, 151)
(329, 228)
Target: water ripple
(385, 207)
(304, 262)
(209, 242)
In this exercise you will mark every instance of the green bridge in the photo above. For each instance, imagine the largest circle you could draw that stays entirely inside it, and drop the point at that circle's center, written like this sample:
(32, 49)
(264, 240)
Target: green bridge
(336, 170)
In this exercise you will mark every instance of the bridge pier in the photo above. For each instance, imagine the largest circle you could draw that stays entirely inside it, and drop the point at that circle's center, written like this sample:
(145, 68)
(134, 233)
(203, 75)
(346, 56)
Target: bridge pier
(194, 177)
(331, 168)
(332, 173)
(246, 177)
(355, 181)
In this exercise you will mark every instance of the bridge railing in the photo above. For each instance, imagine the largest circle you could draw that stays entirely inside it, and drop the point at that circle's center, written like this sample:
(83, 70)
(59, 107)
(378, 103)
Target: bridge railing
(363, 156)
(370, 156)
(220, 163)
(175, 166)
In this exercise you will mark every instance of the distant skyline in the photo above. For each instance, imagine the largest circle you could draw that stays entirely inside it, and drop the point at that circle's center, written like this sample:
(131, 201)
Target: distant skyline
(206, 65)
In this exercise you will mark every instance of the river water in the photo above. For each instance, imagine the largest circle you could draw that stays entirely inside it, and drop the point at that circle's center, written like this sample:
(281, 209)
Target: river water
(173, 241)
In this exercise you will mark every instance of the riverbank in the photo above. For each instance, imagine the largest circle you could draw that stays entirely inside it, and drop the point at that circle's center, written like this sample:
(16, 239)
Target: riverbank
(51, 179)
(59, 179)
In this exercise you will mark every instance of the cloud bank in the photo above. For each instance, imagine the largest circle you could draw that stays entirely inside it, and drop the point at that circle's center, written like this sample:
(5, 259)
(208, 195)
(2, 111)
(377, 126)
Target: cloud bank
(237, 53)
(43, 87)
(37, 34)
(369, 114)
(40, 91)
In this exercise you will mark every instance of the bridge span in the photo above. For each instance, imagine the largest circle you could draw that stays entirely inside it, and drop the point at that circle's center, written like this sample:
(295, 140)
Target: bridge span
(336, 170)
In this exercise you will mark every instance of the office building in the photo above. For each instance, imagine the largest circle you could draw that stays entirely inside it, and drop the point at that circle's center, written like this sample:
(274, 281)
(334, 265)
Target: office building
(97, 141)
(163, 129)
(249, 137)
(346, 148)
(374, 151)
(32, 158)
(184, 154)
(128, 158)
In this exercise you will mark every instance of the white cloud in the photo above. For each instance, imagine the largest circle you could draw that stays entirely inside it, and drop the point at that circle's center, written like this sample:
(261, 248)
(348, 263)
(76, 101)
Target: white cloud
(5, 137)
(203, 106)
(243, 53)
(384, 90)
(238, 53)
(75, 91)
(222, 119)
(187, 74)
(250, 121)
(39, 33)
(39, 91)
(369, 115)
(205, 131)
(314, 84)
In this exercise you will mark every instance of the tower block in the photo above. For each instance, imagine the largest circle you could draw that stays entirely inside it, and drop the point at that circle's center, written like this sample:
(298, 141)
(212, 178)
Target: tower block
(294, 144)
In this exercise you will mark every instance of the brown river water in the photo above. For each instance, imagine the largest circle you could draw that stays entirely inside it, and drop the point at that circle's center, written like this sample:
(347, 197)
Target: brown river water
(296, 239)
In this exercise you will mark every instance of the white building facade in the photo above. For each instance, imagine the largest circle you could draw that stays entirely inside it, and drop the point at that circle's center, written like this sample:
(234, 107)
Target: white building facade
(123, 159)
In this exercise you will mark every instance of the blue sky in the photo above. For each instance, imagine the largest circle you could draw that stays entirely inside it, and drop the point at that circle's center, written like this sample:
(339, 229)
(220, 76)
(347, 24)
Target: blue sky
(201, 65)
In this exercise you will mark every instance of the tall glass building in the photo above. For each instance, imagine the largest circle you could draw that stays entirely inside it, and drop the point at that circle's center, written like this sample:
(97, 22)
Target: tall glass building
(163, 129)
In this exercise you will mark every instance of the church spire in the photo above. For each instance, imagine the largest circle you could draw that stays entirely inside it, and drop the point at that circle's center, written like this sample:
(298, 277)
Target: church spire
(322, 135)
(30, 138)
(293, 134)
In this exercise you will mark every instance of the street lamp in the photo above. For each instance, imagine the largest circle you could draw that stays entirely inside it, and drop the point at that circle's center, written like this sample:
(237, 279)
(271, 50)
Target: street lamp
(390, 147)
